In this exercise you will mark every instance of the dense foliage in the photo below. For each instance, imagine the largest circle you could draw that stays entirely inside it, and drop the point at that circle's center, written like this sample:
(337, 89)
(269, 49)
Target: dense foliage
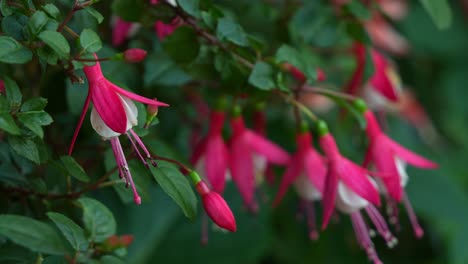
(243, 103)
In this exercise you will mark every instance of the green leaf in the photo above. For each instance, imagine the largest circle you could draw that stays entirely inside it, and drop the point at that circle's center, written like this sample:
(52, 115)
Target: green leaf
(182, 45)
(32, 234)
(11, 51)
(368, 65)
(231, 31)
(98, 220)
(7, 124)
(34, 104)
(190, 6)
(34, 120)
(52, 10)
(70, 230)
(357, 32)
(174, 183)
(57, 42)
(37, 23)
(74, 168)
(262, 76)
(95, 14)
(13, 25)
(25, 147)
(109, 259)
(90, 41)
(129, 10)
(358, 9)
(13, 93)
(290, 55)
(440, 12)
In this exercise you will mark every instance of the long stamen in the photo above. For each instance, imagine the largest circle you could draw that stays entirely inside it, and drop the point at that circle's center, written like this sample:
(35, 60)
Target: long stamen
(418, 231)
(143, 147)
(135, 147)
(80, 123)
(118, 159)
(136, 197)
(362, 233)
(310, 213)
(381, 225)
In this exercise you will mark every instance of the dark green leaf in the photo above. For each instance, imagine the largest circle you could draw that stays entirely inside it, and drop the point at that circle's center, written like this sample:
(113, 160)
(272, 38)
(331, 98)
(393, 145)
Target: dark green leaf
(90, 41)
(190, 6)
(95, 14)
(231, 31)
(51, 10)
(13, 25)
(7, 124)
(174, 183)
(34, 104)
(74, 169)
(70, 230)
(109, 259)
(57, 42)
(129, 10)
(182, 45)
(358, 9)
(11, 51)
(440, 12)
(37, 22)
(98, 220)
(357, 32)
(368, 66)
(32, 234)
(292, 56)
(25, 148)
(262, 76)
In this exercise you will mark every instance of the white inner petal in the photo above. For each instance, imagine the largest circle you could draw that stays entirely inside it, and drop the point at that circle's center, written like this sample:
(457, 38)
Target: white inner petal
(348, 201)
(401, 167)
(374, 99)
(103, 130)
(306, 189)
(259, 163)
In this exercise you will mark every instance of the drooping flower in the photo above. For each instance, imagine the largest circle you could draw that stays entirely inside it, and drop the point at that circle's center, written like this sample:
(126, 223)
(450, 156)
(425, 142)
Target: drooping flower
(164, 30)
(245, 146)
(120, 31)
(113, 114)
(211, 156)
(390, 160)
(134, 55)
(307, 171)
(384, 85)
(262, 168)
(350, 188)
(385, 37)
(345, 179)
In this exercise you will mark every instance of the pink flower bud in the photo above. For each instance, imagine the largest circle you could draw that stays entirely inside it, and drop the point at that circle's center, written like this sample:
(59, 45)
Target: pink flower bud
(2, 87)
(216, 208)
(321, 76)
(152, 110)
(134, 55)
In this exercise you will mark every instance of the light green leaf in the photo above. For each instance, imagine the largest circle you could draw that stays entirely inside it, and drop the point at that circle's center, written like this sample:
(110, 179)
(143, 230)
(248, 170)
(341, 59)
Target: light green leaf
(57, 42)
(90, 41)
(95, 14)
(262, 76)
(70, 230)
(231, 31)
(52, 10)
(34, 120)
(190, 6)
(176, 186)
(13, 93)
(11, 51)
(34, 104)
(440, 12)
(32, 234)
(37, 22)
(98, 220)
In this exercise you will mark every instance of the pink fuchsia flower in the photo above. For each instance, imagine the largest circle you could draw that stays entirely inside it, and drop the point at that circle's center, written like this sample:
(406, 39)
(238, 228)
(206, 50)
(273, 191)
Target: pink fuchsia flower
(164, 30)
(390, 160)
(2, 87)
(245, 147)
(262, 167)
(214, 204)
(211, 156)
(134, 55)
(113, 114)
(385, 37)
(383, 87)
(307, 170)
(120, 31)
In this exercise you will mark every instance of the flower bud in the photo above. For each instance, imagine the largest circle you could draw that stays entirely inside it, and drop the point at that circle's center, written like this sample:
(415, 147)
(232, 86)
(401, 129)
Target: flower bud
(134, 55)
(216, 207)
(321, 76)
(2, 87)
(151, 113)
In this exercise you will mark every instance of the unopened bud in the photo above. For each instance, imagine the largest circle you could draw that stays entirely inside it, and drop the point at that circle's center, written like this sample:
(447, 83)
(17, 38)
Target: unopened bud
(321, 76)
(151, 113)
(218, 210)
(134, 55)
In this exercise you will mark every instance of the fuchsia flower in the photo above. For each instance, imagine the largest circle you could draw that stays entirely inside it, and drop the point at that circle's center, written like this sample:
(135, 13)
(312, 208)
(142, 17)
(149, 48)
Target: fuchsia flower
(390, 160)
(211, 155)
(121, 31)
(385, 37)
(164, 30)
(2, 87)
(113, 114)
(384, 86)
(134, 55)
(246, 146)
(350, 188)
(307, 171)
